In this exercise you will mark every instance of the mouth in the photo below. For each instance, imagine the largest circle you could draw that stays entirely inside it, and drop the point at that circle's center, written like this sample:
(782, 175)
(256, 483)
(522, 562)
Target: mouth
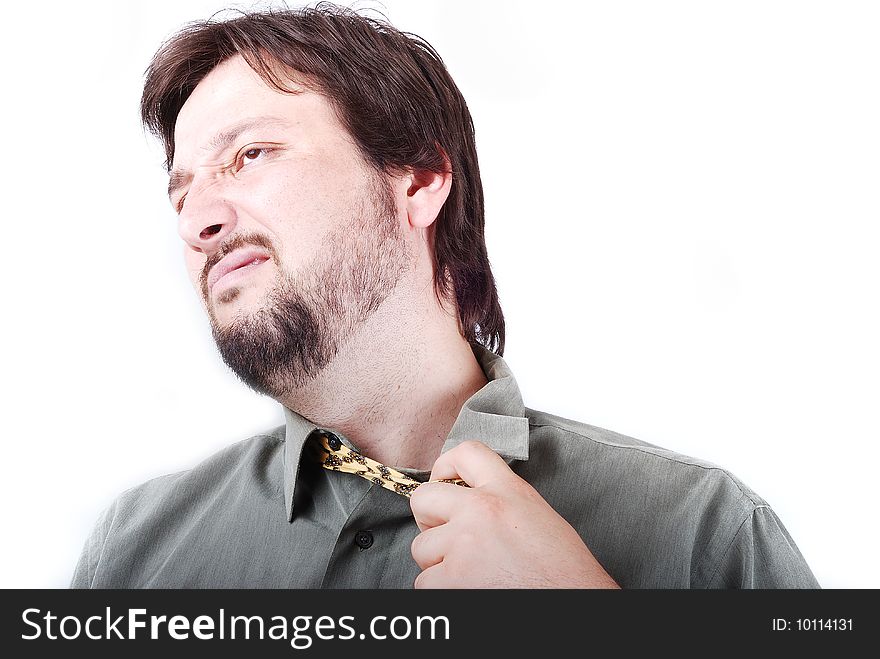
(234, 266)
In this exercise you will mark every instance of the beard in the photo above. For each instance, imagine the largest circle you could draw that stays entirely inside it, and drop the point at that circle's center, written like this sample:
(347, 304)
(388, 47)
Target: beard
(304, 320)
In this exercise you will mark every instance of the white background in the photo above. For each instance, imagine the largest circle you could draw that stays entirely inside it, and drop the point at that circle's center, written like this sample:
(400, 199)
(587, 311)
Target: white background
(682, 216)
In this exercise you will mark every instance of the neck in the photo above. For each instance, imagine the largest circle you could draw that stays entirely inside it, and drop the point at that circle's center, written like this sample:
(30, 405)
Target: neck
(397, 385)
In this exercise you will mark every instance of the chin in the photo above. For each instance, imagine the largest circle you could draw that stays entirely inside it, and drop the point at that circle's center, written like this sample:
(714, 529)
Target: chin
(234, 303)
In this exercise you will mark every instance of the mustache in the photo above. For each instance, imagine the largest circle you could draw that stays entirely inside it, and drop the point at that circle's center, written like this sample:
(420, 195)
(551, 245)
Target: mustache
(230, 245)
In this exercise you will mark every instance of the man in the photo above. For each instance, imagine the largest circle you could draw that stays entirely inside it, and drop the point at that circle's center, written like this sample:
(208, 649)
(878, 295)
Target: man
(324, 171)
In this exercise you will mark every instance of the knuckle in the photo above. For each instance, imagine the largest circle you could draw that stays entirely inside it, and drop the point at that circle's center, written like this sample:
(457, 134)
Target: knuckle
(417, 546)
(487, 504)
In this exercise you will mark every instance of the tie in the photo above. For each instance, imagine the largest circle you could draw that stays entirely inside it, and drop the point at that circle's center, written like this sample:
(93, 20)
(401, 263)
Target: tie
(328, 450)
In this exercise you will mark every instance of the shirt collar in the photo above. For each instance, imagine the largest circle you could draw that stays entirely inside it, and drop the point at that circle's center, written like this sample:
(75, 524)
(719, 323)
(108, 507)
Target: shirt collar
(494, 415)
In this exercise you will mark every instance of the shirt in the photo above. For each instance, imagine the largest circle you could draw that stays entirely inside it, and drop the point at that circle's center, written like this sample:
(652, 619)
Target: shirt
(260, 514)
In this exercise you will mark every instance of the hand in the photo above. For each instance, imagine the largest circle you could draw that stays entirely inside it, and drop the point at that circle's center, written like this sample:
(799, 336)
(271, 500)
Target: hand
(499, 533)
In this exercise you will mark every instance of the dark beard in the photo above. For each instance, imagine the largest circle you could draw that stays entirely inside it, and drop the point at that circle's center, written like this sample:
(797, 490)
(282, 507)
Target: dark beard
(298, 331)
(279, 348)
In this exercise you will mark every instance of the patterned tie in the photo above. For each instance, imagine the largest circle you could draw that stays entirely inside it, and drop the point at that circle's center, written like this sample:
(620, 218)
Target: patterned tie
(328, 450)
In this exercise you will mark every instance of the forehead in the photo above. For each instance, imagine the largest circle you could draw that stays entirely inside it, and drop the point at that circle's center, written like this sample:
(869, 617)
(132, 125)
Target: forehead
(233, 95)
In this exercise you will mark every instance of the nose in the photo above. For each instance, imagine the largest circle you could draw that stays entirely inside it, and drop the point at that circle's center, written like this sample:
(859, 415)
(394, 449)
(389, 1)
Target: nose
(206, 218)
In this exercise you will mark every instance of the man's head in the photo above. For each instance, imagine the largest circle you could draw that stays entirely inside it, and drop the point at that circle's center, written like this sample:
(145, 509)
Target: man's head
(289, 136)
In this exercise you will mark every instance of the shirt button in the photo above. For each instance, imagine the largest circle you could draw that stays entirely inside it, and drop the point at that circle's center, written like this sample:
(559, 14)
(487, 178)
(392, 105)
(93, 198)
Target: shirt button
(333, 441)
(363, 539)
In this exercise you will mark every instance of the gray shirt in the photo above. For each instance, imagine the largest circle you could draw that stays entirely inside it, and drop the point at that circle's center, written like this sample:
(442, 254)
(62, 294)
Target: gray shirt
(255, 515)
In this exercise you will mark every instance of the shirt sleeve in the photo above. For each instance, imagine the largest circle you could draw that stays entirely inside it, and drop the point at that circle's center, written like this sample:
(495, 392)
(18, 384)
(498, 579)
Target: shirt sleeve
(87, 566)
(762, 554)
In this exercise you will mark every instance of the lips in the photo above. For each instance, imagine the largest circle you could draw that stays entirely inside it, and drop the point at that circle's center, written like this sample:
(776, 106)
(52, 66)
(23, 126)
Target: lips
(241, 258)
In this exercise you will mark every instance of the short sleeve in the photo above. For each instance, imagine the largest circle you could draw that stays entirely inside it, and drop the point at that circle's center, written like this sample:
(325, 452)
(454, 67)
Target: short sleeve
(87, 566)
(762, 554)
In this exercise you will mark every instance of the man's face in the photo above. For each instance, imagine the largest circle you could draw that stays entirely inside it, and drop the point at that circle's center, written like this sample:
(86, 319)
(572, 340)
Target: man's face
(292, 239)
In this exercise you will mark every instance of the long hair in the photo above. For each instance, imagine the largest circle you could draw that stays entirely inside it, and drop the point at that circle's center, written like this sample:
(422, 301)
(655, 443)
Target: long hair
(392, 93)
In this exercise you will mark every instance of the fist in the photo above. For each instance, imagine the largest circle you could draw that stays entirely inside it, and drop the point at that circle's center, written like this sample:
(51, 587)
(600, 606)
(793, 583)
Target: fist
(498, 533)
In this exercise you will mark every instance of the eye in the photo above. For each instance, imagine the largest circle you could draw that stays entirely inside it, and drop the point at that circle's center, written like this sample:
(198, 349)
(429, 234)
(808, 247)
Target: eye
(249, 155)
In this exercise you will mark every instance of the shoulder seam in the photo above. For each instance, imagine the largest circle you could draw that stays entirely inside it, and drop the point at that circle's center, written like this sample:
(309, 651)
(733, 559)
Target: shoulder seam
(739, 529)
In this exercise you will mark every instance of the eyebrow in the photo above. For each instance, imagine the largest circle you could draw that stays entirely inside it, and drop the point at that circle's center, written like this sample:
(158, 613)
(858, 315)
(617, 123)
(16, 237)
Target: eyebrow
(179, 178)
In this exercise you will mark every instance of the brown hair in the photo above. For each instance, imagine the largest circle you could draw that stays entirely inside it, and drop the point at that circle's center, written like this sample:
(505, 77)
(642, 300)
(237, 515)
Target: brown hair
(393, 94)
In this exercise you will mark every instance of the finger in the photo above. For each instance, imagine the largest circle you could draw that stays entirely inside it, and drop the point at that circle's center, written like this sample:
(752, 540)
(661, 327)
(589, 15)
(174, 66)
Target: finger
(433, 577)
(434, 504)
(430, 547)
(473, 462)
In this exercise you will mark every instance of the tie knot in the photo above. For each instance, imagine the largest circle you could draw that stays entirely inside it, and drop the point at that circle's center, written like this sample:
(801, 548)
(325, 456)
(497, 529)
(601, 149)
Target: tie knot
(329, 451)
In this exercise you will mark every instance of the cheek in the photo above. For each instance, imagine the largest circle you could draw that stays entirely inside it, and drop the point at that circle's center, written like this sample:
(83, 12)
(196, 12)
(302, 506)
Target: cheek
(297, 206)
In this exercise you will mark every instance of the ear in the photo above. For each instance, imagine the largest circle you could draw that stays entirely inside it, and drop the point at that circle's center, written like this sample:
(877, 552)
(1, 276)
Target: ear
(426, 194)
